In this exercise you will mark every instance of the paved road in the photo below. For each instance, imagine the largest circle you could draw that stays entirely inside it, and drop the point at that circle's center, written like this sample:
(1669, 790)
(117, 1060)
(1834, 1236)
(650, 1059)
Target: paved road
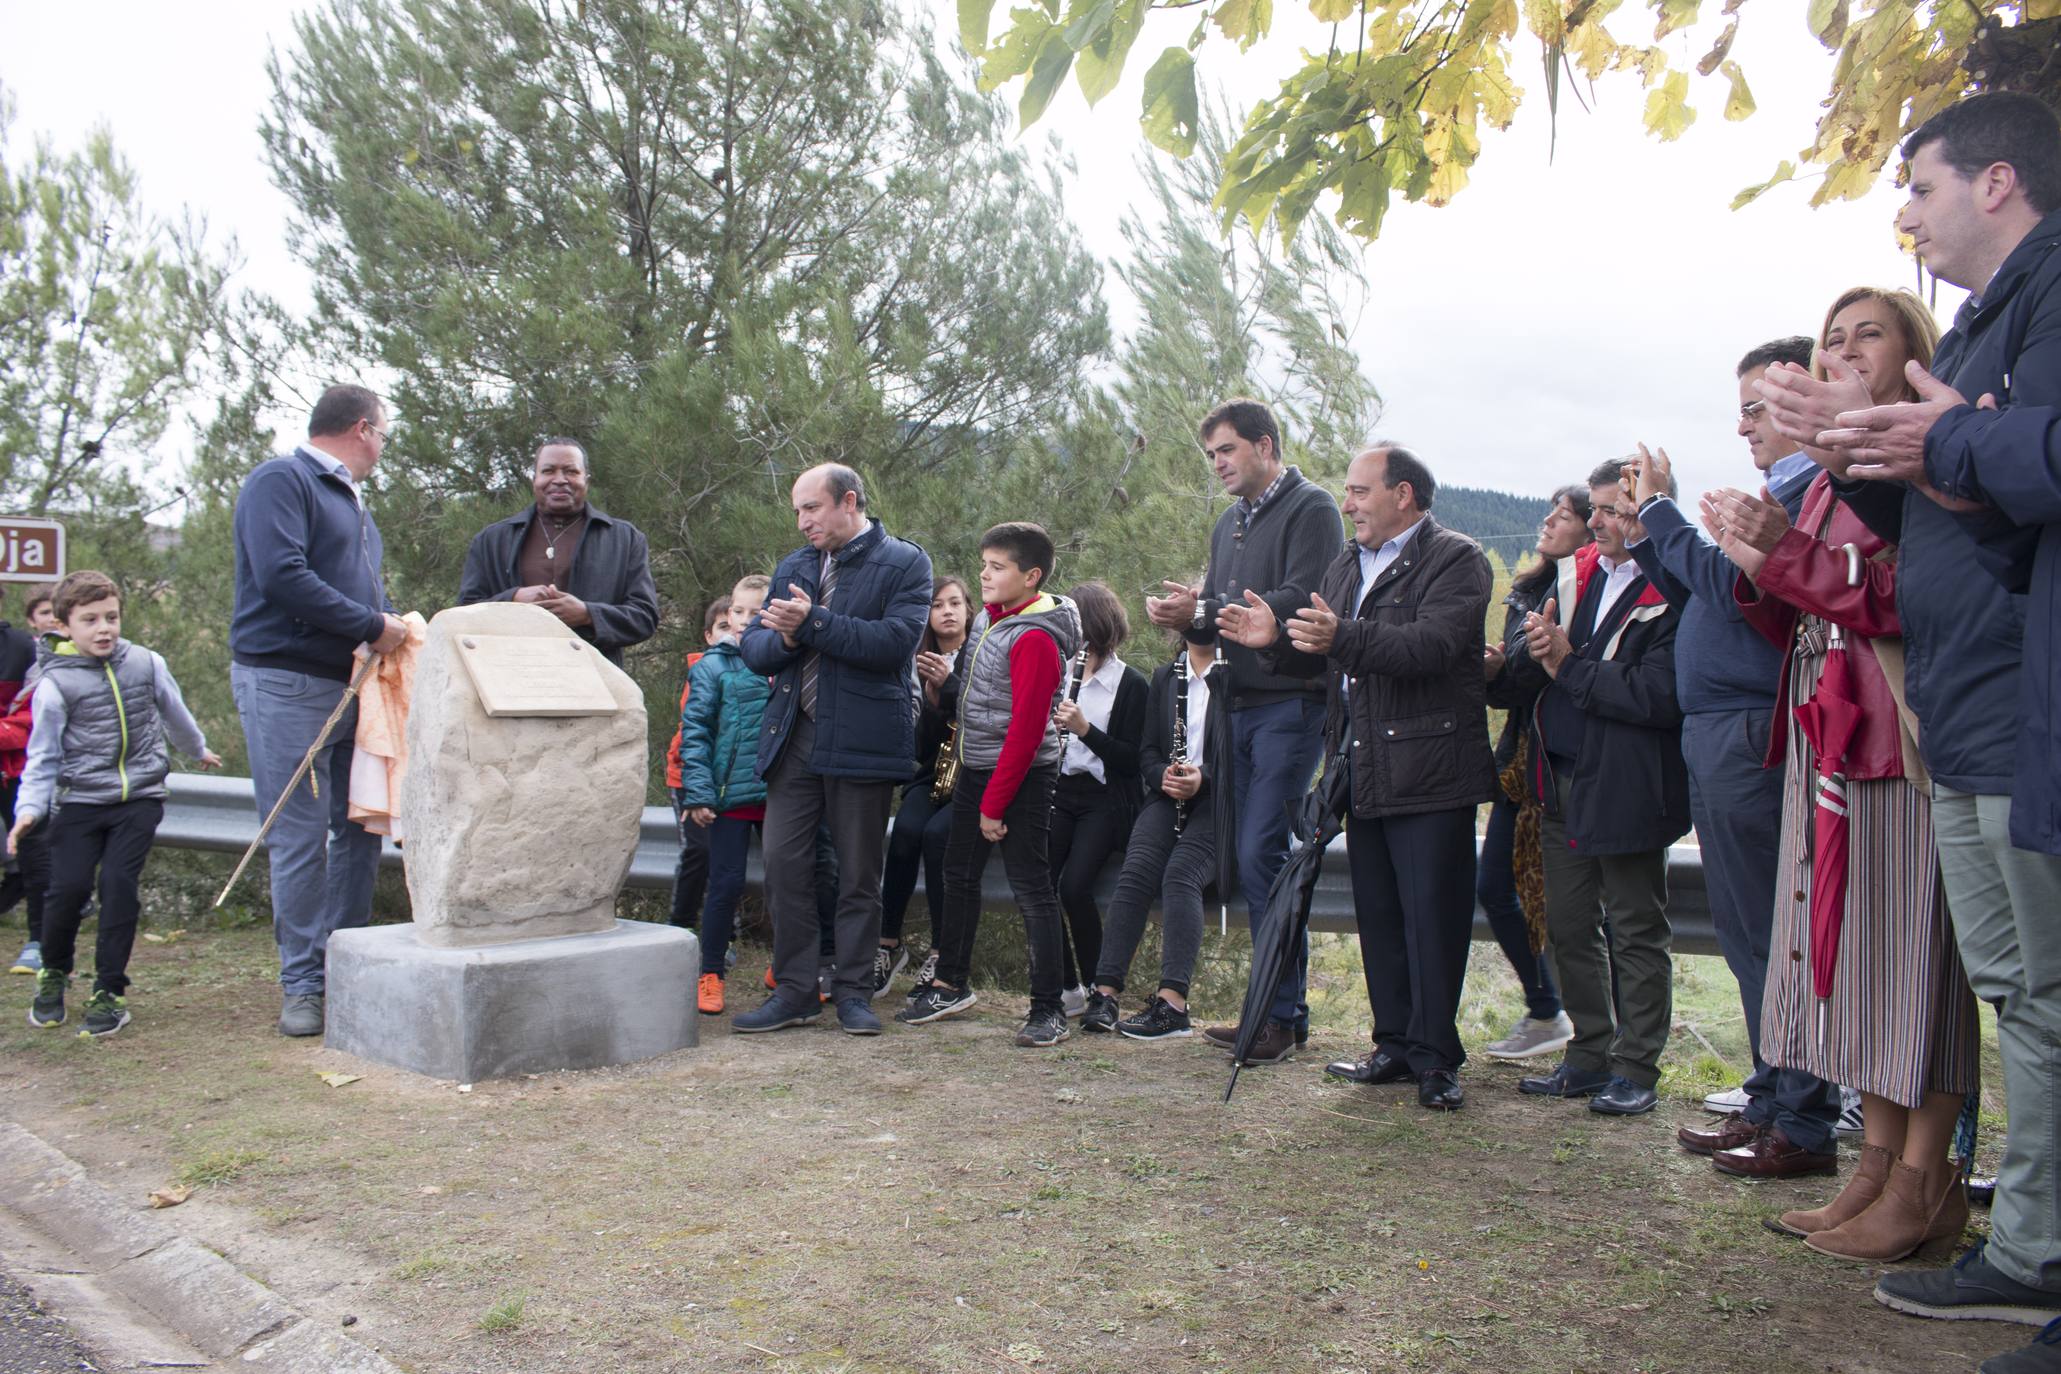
(34, 1342)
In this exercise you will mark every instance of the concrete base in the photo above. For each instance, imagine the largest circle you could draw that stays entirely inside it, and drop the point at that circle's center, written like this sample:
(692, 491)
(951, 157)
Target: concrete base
(528, 1006)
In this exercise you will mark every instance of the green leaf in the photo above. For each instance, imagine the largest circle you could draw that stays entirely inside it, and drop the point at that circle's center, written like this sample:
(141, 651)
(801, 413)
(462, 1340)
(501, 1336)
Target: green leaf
(1739, 104)
(1246, 21)
(1333, 11)
(1667, 108)
(1785, 172)
(1101, 64)
(1171, 106)
(1675, 14)
(973, 23)
(1827, 19)
(1017, 48)
(1050, 68)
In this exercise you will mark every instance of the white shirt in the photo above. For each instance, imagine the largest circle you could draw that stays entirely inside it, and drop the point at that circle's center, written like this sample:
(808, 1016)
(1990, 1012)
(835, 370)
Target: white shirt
(1616, 577)
(1097, 700)
(1198, 713)
(331, 463)
(1374, 562)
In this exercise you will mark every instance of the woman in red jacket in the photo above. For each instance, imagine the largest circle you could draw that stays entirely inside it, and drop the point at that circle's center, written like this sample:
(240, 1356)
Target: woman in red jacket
(1899, 1025)
(28, 872)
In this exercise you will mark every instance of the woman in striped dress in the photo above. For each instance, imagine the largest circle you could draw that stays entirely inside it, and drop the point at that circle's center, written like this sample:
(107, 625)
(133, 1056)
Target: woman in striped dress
(1899, 1024)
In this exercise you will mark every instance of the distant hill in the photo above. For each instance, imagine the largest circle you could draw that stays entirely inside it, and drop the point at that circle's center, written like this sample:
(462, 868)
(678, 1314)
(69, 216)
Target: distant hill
(1504, 524)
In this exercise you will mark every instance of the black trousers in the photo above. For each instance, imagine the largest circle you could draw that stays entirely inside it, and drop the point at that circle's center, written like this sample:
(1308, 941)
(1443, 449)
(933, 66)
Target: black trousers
(801, 807)
(690, 874)
(1090, 823)
(1413, 891)
(1025, 855)
(113, 840)
(27, 876)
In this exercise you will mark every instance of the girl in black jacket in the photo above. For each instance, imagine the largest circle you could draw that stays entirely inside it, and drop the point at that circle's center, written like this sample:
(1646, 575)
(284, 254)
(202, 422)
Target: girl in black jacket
(917, 842)
(1103, 715)
(1514, 684)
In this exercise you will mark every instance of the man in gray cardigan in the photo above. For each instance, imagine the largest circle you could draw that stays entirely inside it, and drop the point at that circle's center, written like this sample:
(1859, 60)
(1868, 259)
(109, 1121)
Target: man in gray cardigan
(1280, 534)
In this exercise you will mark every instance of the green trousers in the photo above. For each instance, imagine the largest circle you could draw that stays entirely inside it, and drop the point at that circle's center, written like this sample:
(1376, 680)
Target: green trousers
(2006, 907)
(1621, 1024)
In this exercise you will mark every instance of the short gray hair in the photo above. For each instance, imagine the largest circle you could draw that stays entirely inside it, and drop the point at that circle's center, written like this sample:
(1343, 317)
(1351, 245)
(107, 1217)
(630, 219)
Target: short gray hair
(563, 441)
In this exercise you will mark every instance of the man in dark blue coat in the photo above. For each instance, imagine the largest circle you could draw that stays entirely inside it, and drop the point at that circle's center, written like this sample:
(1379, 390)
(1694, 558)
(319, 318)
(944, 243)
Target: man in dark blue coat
(1969, 495)
(838, 638)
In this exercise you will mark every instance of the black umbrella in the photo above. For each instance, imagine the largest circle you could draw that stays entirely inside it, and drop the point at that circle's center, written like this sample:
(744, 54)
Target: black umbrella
(1280, 928)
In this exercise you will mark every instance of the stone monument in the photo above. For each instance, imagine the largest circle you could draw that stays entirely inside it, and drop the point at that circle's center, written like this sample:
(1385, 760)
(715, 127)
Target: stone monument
(523, 796)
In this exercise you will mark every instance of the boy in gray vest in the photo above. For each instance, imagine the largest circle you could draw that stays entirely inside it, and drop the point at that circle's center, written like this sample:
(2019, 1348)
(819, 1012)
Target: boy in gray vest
(103, 713)
(1009, 754)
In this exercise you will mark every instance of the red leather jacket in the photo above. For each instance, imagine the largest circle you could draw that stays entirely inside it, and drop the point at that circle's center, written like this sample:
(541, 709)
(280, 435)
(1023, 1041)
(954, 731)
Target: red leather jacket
(1807, 572)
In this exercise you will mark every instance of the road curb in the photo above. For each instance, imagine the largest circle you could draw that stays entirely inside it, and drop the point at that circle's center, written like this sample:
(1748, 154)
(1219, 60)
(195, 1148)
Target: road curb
(191, 1289)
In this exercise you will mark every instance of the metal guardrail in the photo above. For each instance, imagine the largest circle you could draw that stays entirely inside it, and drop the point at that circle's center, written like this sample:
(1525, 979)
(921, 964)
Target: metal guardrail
(217, 814)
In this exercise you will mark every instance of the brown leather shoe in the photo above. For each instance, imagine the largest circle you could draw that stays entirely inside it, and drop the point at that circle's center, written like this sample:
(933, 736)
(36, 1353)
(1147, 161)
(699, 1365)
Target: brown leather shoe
(1275, 1043)
(1901, 1220)
(1732, 1132)
(1860, 1191)
(1770, 1155)
(1223, 1037)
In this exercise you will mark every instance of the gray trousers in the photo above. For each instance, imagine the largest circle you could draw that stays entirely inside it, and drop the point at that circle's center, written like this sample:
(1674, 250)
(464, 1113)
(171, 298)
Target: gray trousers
(323, 863)
(856, 810)
(1622, 1034)
(1737, 807)
(2006, 906)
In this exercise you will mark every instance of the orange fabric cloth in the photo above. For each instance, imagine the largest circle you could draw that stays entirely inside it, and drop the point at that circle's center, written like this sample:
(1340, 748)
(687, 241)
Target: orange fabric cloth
(673, 749)
(381, 760)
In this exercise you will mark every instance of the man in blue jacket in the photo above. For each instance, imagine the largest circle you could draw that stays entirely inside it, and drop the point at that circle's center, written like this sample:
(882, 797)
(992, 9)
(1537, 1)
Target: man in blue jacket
(308, 593)
(1970, 495)
(838, 638)
(1726, 673)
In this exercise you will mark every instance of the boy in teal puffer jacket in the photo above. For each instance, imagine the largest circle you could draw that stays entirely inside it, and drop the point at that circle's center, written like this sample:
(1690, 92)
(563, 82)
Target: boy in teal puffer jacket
(720, 788)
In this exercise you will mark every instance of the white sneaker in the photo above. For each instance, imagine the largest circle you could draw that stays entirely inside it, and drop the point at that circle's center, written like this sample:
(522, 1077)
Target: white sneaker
(1075, 1002)
(1849, 1113)
(1727, 1102)
(887, 962)
(1531, 1037)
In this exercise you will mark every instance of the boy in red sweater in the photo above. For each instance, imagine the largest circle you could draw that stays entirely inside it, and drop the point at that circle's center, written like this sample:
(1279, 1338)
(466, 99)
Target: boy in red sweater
(1008, 764)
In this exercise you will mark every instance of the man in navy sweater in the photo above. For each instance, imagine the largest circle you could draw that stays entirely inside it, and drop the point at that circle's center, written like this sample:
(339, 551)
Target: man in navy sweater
(308, 593)
(1726, 674)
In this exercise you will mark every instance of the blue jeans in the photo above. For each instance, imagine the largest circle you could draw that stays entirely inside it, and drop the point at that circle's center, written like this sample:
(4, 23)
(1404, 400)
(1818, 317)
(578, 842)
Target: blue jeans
(728, 845)
(1495, 887)
(323, 863)
(1274, 749)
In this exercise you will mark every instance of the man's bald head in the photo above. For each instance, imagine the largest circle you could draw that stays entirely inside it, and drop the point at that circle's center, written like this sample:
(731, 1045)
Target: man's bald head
(829, 506)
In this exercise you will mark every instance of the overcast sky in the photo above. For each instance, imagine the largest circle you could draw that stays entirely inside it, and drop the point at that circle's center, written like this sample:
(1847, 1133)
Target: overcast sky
(1547, 319)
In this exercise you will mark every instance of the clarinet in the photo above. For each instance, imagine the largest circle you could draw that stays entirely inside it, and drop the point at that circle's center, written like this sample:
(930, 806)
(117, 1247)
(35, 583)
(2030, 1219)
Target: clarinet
(1179, 754)
(1072, 693)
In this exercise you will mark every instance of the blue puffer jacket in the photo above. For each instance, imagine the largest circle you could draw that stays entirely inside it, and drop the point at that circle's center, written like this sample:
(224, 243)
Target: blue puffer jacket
(2010, 347)
(866, 684)
(719, 731)
(1958, 576)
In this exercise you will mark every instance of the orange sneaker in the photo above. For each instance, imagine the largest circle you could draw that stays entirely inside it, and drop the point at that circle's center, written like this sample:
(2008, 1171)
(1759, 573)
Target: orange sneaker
(772, 983)
(708, 994)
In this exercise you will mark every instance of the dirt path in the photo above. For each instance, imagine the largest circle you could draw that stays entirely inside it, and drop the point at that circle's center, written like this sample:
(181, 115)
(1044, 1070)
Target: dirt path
(938, 1200)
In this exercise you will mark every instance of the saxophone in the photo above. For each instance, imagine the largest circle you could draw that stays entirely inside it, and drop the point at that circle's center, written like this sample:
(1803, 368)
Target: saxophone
(947, 775)
(1179, 753)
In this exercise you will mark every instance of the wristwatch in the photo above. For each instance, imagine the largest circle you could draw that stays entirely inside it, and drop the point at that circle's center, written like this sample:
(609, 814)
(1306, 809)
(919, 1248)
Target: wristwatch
(1656, 496)
(1196, 621)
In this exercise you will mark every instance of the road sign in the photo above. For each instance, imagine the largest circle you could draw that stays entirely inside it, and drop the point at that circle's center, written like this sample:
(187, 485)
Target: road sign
(31, 550)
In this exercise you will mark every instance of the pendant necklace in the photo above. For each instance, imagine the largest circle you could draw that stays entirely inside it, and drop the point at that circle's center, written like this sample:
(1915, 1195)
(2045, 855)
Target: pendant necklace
(551, 537)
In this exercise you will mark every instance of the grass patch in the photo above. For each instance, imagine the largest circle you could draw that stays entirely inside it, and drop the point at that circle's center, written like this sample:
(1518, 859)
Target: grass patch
(505, 1315)
(216, 1167)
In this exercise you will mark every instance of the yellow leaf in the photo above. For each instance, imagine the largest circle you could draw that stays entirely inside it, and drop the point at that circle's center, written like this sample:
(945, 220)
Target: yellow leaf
(1667, 108)
(337, 1080)
(1247, 21)
(1447, 181)
(1333, 11)
(1675, 14)
(1739, 104)
(172, 1196)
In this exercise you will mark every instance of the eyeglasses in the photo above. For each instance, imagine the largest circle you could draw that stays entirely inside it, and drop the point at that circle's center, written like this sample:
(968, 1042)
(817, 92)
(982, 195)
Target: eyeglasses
(1752, 409)
(375, 429)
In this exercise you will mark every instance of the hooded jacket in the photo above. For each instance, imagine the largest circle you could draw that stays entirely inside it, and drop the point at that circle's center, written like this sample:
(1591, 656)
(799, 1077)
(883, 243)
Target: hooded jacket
(719, 731)
(100, 728)
(2009, 345)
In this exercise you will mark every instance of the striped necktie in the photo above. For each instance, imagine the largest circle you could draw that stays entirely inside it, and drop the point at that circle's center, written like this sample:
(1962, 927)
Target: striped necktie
(814, 659)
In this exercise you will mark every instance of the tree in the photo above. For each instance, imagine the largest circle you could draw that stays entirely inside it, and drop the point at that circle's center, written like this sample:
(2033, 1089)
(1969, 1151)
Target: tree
(1121, 483)
(1396, 102)
(717, 241)
(106, 313)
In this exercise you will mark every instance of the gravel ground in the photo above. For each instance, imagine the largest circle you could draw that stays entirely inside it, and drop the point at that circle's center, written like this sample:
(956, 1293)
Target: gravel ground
(34, 1342)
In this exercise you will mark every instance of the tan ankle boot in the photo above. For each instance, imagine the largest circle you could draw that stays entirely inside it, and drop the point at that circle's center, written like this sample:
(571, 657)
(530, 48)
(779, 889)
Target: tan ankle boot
(1860, 1190)
(1952, 1217)
(1897, 1222)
